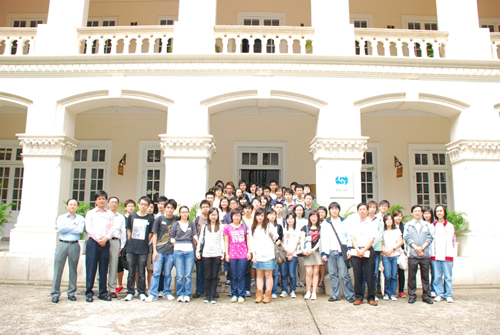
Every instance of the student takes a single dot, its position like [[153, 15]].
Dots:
[[279, 196], [392, 241], [363, 234], [265, 203], [429, 217], [259, 191], [300, 222], [181, 236], [267, 193], [256, 204], [210, 197], [242, 184], [398, 220], [247, 218], [242, 199], [161, 205], [262, 239], [199, 221], [139, 234], [229, 189], [212, 253], [307, 188], [116, 244], [377, 246], [219, 183], [238, 193], [69, 226], [312, 259], [99, 224], [289, 268], [299, 192], [248, 211], [233, 204], [289, 204], [223, 208], [237, 254], [271, 218], [442, 255], [149, 262], [273, 185], [163, 252], [293, 185], [323, 213], [130, 207], [218, 196], [331, 252], [253, 188], [280, 220], [308, 201], [418, 237]]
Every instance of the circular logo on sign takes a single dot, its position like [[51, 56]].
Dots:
[[341, 180]]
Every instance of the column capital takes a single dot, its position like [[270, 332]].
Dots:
[[47, 145], [477, 150], [338, 148], [187, 146]]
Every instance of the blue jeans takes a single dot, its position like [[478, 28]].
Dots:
[[289, 268], [238, 270], [443, 269], [200, 278], [276, 273], [164, 263], [336, 267], [184, 261], [391, 275]]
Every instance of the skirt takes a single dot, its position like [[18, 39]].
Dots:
[[269, 265], [313, 259]]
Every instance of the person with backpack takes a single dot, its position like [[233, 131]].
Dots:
[[334, 234], [237, 254]]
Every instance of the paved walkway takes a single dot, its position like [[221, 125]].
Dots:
[[26, 308]]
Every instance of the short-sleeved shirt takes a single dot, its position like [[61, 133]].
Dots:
[[162, 227], [237, 241], [140, 227]]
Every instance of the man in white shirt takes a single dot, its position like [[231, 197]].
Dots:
[[116, 244]]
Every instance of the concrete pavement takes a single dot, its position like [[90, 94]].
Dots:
[[26, 308]]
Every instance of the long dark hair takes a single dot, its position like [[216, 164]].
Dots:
[[428, 209], [387, 216], [217, 222], [313, 213], [258, 212], [292, 214], [269, 211]]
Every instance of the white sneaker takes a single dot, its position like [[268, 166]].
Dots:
[[292, 294], [213, 301], [386, 297], [274, 296], [433, 294], [151, 299], [376, 299], [206, 301], [143, 297], [313, 296], [437, 299], [449, 299], [187, 298], [129, 297], [307, 295], [160, 294], [169, 297], [283, 294], [394, 298], [180, 298]]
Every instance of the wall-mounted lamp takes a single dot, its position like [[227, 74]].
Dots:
[[121, 165], [399, 167], [133, 23], [390, 27]]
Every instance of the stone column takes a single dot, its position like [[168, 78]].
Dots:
[[59, 37], [338, 169], [194, 31], [466, 39], [333, 33], [187, 160]]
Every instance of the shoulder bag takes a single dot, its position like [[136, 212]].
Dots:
[[343, 248]]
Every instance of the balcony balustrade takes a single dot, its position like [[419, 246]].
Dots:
[[17, 41], [495, 45]]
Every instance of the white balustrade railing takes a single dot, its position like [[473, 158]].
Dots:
[[17, 41], [126, 40], [263, 39], [495, 45], [400, 43]]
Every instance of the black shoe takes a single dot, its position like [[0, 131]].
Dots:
[[351, 300], [89, 299], [105, 297], [196, 295], [411, 300], [55, 300], [332, 299], [216, 295], [72, 298], [428, 301]]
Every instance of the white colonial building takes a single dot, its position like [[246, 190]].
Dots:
[[192, 91]]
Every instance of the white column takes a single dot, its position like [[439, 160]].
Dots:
[[338, 169], [333, 33], [194, 32], [59, 37], [466, 40], [476, 181], [187, 160]]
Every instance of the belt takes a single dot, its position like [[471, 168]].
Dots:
[[115, 238], [70, 242]]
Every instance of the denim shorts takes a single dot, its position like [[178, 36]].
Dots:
[[269, 265]]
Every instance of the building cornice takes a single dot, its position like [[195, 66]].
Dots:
[[187, 146], [338, 148], [228, 64], [473, 150], [47, 145]]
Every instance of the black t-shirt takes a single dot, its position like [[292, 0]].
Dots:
[[140, 227], [162, 227]]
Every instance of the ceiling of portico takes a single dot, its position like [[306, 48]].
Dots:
[[11, 108], [117, 106], [263, 106]]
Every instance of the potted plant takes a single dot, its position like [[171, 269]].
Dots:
[[5, 213]]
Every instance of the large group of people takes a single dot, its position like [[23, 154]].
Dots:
[[238, 230]]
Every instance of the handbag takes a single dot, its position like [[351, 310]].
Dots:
[[123, 257], [403, 261], [343, 249], [307, 244], [202, 242], [279, 254]]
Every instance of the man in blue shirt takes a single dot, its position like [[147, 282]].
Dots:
[[70, 226]]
